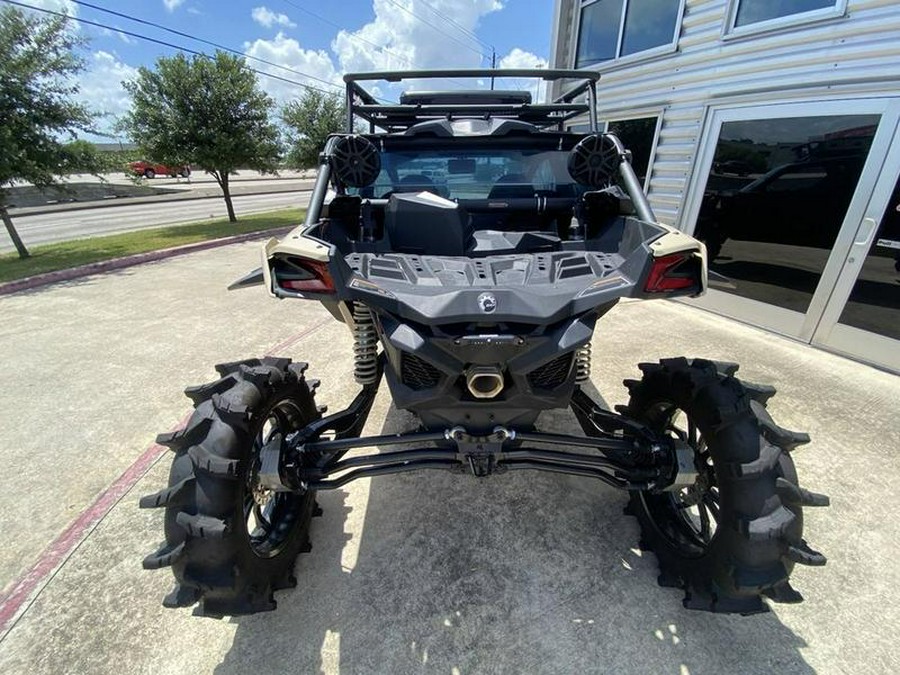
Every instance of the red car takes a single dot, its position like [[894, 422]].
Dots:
[[151, 170]]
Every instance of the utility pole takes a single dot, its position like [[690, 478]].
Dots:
[[493, 65]]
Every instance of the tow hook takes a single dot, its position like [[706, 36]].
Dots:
[[480, 452]]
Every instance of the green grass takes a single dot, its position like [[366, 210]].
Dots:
[[52, 257]]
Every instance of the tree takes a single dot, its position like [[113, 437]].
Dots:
[[205, 111], [84, 157], [309, 121], [37, 69]]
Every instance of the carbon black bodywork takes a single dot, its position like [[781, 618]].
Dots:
[[433, 324]]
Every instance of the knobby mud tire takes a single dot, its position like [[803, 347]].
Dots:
[[215, 561], [759, 533]]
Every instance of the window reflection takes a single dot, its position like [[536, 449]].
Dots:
[[647, 24], [598, 37], [754, 11], [874, 303], [776, 198], [636, 135]]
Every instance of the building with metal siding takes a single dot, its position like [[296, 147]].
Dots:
[[830, 65]]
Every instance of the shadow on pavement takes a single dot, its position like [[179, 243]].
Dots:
[[520, 572]]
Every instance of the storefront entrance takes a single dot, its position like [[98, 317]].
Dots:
[[798, 205]]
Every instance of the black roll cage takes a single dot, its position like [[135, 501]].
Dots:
[[399, 117]]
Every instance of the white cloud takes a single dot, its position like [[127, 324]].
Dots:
[[172, 5], [100, 87], [288, 53], [65, 6], [393, 40], [406, 42], [127, 39], [267, 18], [520, 59]]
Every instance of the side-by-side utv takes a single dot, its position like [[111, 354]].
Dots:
[[470, 242]]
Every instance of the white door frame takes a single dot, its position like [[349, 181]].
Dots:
[[779, 319], [847, 339]]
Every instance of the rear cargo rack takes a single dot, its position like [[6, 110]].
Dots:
[[399, 117]]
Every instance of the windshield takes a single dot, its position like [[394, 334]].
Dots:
[[473, 174]]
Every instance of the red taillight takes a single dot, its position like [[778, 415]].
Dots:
[[310, 276], [664, 275]]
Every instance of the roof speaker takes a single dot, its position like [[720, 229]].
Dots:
[[355, 161], [594, 160]]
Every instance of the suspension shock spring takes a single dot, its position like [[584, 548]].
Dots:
[[365, 345], [583, 363]]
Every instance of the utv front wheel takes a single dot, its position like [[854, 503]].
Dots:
[[735, 534], [230, 542]]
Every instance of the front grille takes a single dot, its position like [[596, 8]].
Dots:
[[551, 374], [417, 373]]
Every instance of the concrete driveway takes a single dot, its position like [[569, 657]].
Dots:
[[410, 573]]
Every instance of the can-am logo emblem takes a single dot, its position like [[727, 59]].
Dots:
[[487, 302]]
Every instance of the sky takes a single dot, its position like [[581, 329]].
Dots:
[[320, 39]]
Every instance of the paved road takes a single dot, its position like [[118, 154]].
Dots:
[[414, 573], [200, 177], [199, 180], [66, 225]]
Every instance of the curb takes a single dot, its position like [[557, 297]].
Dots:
[[103, 266], [183, 196]]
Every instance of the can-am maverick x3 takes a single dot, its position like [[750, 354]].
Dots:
[[477, 241]]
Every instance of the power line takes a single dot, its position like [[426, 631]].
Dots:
[[493, 55], [159, 42], [353, 36], [460, 27], [231, 50], [383, 48], [189, 37], [438, 29], [194, 52]]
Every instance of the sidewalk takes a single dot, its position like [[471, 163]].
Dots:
[[412, 573]]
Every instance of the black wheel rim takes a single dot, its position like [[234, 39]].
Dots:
[[271, 518], [689, 518]]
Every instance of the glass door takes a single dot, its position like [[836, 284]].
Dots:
[[862, 316], [782, 191]]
